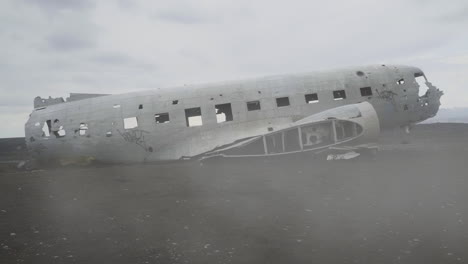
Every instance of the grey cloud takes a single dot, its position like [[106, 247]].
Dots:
[[188, 15], [127, 4], [112, 58], [461, 15], [440, 11], [56, 5], [181, 17], [17, 99], [191, 12], [119, 59], [69, 42]]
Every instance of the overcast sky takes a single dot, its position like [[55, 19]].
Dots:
[[54, 47]]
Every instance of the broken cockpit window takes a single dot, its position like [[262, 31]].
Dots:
[[421, 81], [193, 117], [339, 95], [223, 113], [161, 118]]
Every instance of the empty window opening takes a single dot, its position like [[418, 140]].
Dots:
[[46, 128], [174, 102], [311, 98], [140, 106], [401, 81], [291, 140], [130, 122], [345, 130], [282, 101], [193, 117], [253, 105], [57, 129], [161, 118], [315, 135], [255, 147], [366, 91], [116, 106], [223, 113], [405, 107], [422, 82], [83, 129], [274, 143], [339, 95]]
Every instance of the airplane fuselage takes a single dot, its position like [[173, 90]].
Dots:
[[172, 123]]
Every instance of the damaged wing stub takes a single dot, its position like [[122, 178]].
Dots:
[[347, 125]]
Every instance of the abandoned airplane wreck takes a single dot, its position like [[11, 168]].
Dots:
[[275, 115]]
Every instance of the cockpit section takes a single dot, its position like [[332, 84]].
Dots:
[[407, 98], [421, 80], [428, 100]]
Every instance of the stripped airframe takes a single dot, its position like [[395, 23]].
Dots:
[[276, 115]]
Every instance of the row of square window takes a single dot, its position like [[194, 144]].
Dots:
[[224, 111]]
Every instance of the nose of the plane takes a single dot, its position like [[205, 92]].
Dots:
[[429, 103]]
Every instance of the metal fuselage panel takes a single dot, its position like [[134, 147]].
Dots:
[[106, 138]]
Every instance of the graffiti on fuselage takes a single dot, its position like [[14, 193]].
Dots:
[[137, 137], [386, 95]]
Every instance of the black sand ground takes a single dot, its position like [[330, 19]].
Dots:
[[410, 205]]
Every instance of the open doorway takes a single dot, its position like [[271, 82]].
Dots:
[[46, 128]]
